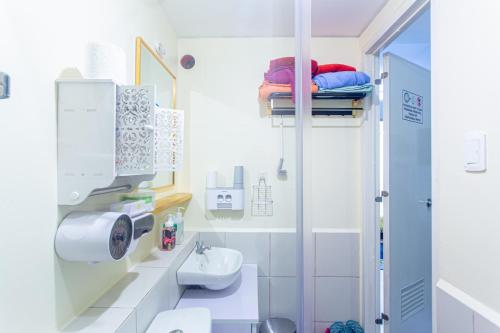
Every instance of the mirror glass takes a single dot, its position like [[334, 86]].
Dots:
[[152, 70]]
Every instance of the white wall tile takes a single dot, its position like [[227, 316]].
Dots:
[[263, 298], [482, 325], [129, 325], [254, 246], [337, 298], [337, 254], [131, 289], [283, 254], [283, 297], [153, 303], [452, 315], [320, 327], [95, 320], [217, 239]]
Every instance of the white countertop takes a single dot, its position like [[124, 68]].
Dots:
[[237, 304], [165, 259], [115, 311], [99, 320]]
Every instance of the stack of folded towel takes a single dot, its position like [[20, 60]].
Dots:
[[280, 77], [350, 326]]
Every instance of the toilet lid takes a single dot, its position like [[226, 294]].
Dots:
[[189, 320]]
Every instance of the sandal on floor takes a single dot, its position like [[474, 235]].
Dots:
[[354, 327]]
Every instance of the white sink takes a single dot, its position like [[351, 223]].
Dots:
[[217, 268]]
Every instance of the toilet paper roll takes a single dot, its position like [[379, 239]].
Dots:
[[105, 61], [212, 179]]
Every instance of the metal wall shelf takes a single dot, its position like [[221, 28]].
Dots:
[[324, 104]]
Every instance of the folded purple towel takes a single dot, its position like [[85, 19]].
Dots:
[[280, 76], [341, 79]]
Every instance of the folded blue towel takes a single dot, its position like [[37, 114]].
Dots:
[[338, 327], [366, 88], [354, 327], [341, 79]]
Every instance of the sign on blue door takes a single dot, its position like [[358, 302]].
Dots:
[[413, 107]]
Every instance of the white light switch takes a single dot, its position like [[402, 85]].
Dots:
[[475, 152]]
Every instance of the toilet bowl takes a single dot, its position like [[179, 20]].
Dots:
[[189, 320]]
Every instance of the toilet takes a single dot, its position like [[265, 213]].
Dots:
[[189, 320]]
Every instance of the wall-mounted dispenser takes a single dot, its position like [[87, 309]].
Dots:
[[226, 198], [94, 236], [100, 236], [105, 138], [143, 224]]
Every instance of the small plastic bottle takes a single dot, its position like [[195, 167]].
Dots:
[[168, 235], [179, 221]]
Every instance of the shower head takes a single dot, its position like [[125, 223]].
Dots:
[[282, 172]]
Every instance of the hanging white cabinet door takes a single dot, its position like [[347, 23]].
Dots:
[[135, 121]]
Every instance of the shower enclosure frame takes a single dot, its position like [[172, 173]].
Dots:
[[303, 129]]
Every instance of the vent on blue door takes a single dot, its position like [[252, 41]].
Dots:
[[412, 299]]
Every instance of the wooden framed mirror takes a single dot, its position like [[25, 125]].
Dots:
[[150, 69]]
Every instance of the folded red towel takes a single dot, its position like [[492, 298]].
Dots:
[[328, 68], [327, 330]]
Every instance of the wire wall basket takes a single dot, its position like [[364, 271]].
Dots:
[[262, 202]]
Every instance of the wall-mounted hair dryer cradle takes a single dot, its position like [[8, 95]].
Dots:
[[105, 138], [226, 198]]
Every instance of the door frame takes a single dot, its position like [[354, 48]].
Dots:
[[384, 34]]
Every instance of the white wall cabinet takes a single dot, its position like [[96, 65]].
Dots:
[[105, 138]]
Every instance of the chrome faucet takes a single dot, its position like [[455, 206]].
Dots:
[[201, 248]]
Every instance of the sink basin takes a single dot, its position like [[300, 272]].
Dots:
[[215, 269]]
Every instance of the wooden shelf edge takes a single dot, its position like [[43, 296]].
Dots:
[[170, 201]]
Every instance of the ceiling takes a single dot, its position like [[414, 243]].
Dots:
[[267, 18]]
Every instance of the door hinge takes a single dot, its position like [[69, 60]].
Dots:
[[384, 75], [383, 317], [383, 194]]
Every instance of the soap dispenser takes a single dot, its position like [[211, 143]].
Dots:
[[179, 221], [168, 235]]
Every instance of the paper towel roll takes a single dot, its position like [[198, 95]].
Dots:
[[105, 61], [212, 179]]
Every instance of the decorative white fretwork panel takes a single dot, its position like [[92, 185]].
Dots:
[[169, 139], [135, 144]]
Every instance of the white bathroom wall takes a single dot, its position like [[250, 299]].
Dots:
[[226, 128], [39, 292], [464, 90]]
